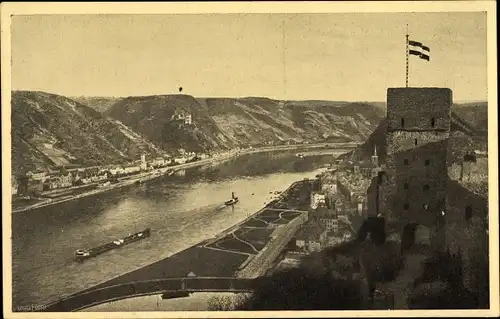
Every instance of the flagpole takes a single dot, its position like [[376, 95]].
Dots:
[[407, 36]]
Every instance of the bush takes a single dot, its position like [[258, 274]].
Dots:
[[299, 289], [220, 303], [382, 263], [440, 295]]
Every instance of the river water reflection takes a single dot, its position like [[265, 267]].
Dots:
[[181, 210]]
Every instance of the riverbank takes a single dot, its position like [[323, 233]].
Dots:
[[151, 175], [214, 257], [123, 182]]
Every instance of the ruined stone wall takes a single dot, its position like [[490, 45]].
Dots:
[[476, 172], [459, 199], [466, 232]]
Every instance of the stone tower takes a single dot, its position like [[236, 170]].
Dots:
[[418, 128]]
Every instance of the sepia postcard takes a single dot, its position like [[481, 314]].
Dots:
[[249, 159]]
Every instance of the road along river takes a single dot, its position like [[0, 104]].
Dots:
[[181, 210]]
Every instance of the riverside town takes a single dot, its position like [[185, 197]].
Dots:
[[250, 162]]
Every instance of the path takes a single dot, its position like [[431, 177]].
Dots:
[[401, 287], [245, 242]]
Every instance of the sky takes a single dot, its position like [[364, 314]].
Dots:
[[338, 56]]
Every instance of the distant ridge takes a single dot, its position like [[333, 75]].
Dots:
[[51, 130], [222, 123]]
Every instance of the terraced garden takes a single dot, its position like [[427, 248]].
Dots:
[[253, 235], [273, 216], [254, 223], [230, 243]]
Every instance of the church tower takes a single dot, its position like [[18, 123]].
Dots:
[[375, 156], [143, 162]]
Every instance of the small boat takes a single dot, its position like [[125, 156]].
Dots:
[[232, 201], [82, 254]]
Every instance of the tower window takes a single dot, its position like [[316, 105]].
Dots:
[[416, 143], [426, 188], [406, 206], [402, 123], [433, 122], [405, 185], [427, 162], [406, 161], [468, 212]]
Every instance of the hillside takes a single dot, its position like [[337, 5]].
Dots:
[[474, 114], [99, 103], [468, 133], [220, 123], [49, 130]]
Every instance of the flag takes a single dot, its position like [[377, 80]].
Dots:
[[418, 49]]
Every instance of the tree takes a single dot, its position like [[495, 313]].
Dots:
[[440, 295], [220, 303], [300, 289]]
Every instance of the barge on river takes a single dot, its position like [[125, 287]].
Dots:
[[82, 254]]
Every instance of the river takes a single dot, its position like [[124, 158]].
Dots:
[[181, 210]]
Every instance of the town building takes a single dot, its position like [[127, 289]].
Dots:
[[100, 176], [326, 217], [14, 185], [368, 169], [352, 184], [144, 165], [182, 118], [339, 236], [90, 175], [33, 187], [202, 156], [65, 179], [158, 162], [131, 169], [37, 175], [329, 183], [116, 170], [317, 199], [180, 160], [312, 236], [291, 260]]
